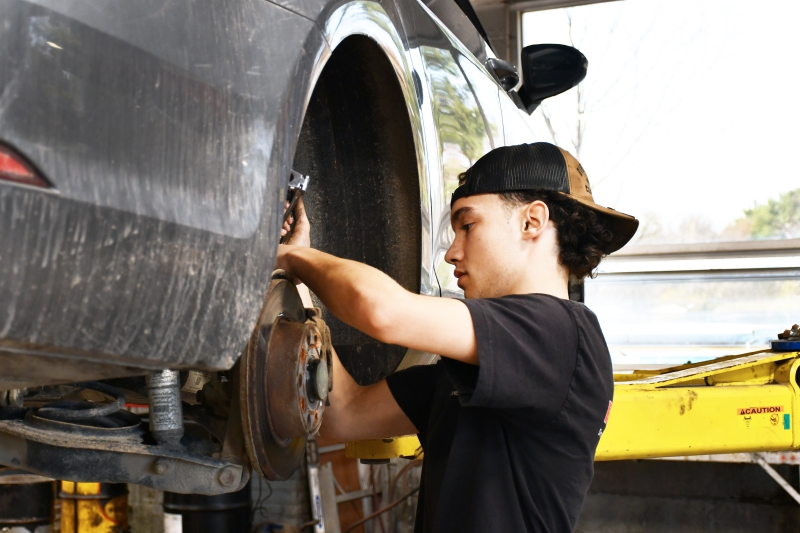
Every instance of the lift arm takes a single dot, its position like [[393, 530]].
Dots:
[[742, 403]]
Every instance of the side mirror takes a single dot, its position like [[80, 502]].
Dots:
[[548, 70]]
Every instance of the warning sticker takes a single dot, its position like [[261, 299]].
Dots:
[[196, 380], [759, 410]]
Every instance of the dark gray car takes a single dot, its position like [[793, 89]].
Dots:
[[145, 149]]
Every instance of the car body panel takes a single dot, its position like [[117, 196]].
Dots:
[[168, 129], [193, 120], [156, 247], [465, 105]]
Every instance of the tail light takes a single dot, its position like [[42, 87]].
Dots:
[[14, 168]]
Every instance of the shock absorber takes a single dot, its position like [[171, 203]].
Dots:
[[166, 412]]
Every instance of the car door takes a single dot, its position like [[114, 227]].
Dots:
[[464, 106], [516, 122]]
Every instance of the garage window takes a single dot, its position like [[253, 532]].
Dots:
[[688, 120]]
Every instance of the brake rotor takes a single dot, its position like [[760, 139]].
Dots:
[[285, 381]]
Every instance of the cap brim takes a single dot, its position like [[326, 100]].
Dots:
[[622, 226]]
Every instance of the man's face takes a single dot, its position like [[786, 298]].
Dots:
[[488, 249]]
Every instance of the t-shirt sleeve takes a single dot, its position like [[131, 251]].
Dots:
[[413, 390], [527, 354]]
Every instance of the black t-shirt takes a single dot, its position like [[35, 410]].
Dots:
[[509, 445]]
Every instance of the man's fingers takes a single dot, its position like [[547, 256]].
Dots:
[[300, 209], [300, 213], [302, 227], [287, 225]]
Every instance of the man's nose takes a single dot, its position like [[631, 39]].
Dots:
[[453, 254]]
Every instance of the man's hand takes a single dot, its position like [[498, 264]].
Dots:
[[354, 412], [301, 236]]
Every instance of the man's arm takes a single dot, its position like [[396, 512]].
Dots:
[[374, 303], [358, 413], [355, 412]]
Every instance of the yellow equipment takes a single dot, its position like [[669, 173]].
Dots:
[[407, 447], [94, 507], [741, 403]]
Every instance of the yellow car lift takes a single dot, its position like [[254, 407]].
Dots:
[[740, 403]]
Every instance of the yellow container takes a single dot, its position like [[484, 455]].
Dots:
[[94, 507]]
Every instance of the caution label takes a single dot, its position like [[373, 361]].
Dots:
[[759, 410]]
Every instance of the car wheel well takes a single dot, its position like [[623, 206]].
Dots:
[[357, 144]]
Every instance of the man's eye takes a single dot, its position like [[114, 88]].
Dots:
[[466, 227]]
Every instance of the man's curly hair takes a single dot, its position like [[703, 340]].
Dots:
[[583, 235]]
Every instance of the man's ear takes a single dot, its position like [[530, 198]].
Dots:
[[534, 219]]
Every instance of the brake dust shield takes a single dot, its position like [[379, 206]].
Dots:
[[285, 377]]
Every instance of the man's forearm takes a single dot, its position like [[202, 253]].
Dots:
[[374, 303], [357, 412], [338, 415], [355, 293]]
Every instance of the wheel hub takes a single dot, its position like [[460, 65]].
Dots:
[[285, 381]]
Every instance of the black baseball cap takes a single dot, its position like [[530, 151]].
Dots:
[[542, 166]]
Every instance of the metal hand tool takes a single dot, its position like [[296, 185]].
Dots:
[[298, 184]]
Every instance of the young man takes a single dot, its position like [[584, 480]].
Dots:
[[510, 417]]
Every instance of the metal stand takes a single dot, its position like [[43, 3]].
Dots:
[[312, 463], [777, 477]]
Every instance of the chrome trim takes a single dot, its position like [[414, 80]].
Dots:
[[371, 20]]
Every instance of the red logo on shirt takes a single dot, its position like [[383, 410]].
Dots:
[[608, 413]]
